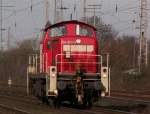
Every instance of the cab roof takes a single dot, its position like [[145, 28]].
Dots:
[[69, 22]]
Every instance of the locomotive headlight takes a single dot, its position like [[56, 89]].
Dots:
[[104, 73], [53, 75], [56, 92]]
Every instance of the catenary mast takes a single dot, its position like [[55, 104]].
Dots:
[[143, 51]]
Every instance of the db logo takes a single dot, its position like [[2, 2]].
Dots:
[[78, 41]]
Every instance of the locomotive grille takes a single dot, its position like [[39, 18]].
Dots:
[[78, 48]]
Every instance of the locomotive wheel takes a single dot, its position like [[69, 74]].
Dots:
[[45, 100], [88, 102], [56, 102], [84, 102], [72, 99], [73, 102], [88, 97]]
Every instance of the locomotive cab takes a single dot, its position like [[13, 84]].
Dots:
[[70, 68]]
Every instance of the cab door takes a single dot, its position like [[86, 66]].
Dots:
[[55, 48]]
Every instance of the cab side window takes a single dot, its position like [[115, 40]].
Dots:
[[58, 31], [84, 31], [48, 44]]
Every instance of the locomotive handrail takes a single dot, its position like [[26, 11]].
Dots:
[[80, 62], [56, 58], [33, 63]]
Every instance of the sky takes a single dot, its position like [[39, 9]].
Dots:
[[25, 23]]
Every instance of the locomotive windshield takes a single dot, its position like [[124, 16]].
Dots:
[[57, 31], [84, 31]]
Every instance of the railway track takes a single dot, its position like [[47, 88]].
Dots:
[[135, 101], [124, 107], [111, 111], [27, 100], [12, 94], [136, 95], [12, 110], [14, 88], [94, 110]]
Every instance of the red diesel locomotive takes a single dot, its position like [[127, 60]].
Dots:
[[68, 67]]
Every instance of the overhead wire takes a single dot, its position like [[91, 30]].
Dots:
[[120, 21], [26, 8], [23, 9], [119, 10], [104, 14], [123, 10], [38, 3]]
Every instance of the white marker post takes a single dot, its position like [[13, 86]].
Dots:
[[9, 82]]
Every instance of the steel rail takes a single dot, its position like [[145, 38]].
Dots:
[[98, 110], [14, 109], [136, 96], [122, 99]]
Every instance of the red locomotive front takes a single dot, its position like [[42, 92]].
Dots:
[[70, 46], [70, 68]]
